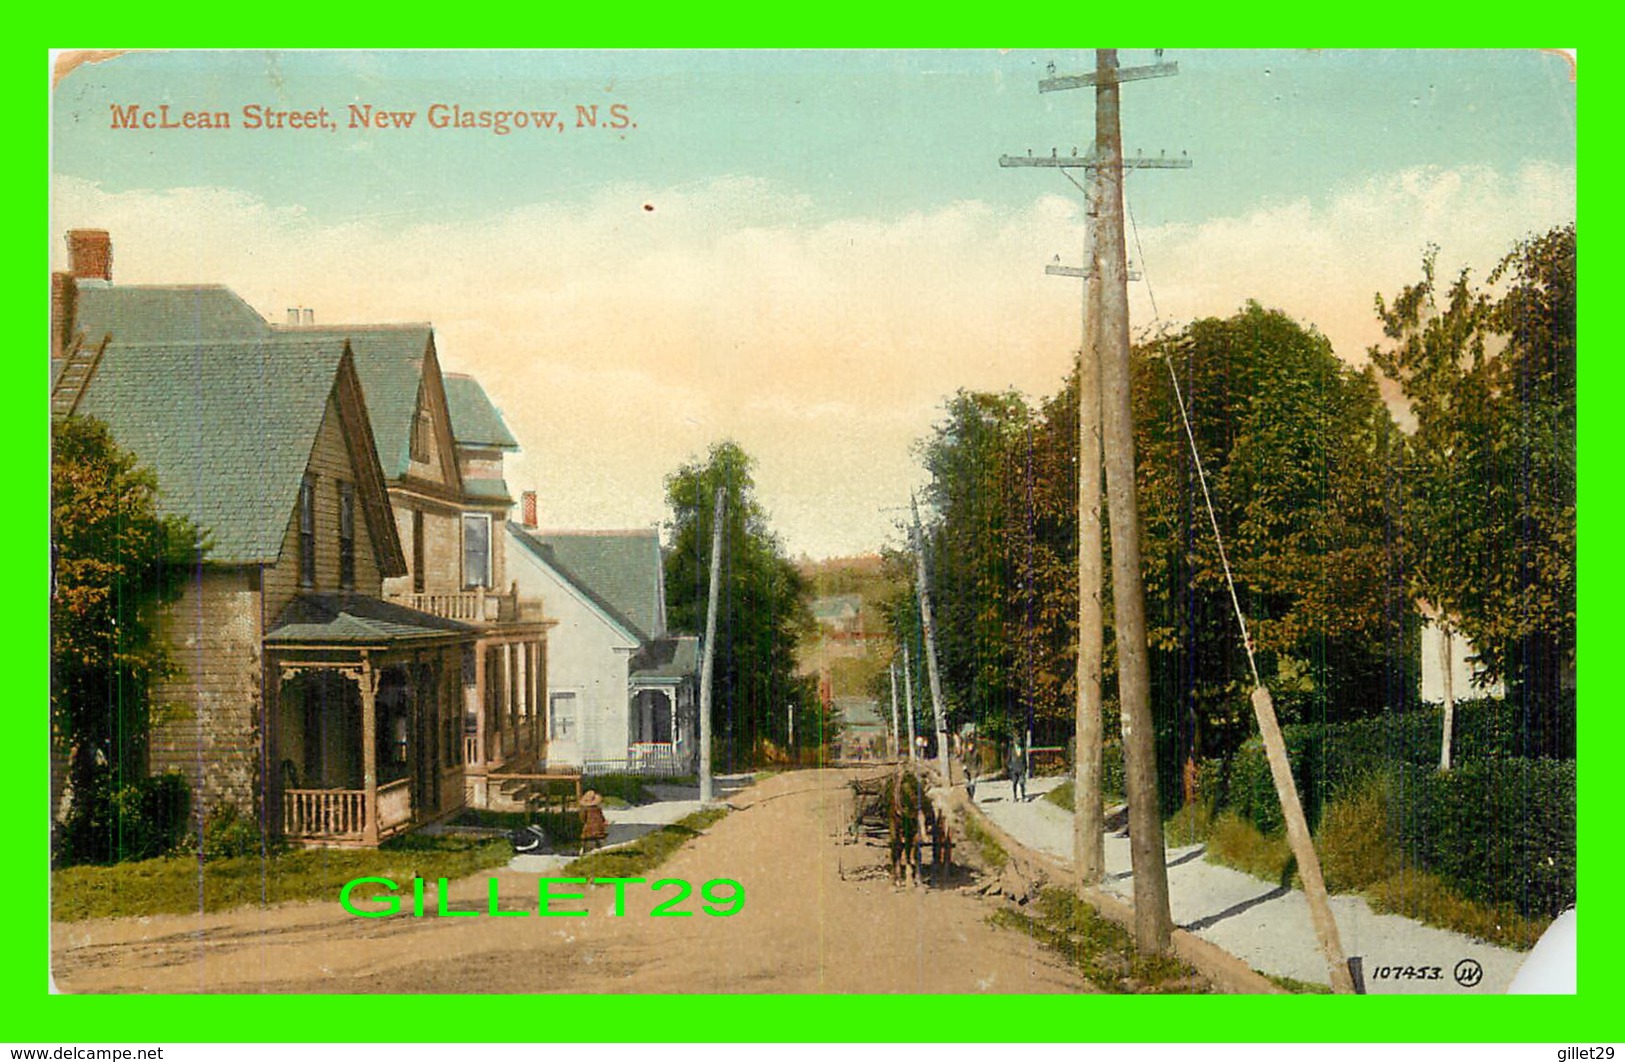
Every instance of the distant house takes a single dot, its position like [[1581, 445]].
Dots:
[[840, 614], [1465, 671], [621, 689], [350, 661]]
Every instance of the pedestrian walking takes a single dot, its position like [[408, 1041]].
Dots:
[[1018, 771], [970, 757]]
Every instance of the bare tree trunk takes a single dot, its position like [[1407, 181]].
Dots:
[[1153, 921], [1447, 676]]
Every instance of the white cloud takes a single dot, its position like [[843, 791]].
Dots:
[[621, 341]]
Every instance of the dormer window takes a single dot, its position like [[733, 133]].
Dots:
[[307, 531], [422, 435], [347, 536]]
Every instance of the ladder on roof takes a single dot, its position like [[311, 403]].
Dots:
[[77, 370]]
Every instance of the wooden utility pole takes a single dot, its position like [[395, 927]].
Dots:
[[1088, 814], [908, 697], [930, 645], [1088, 824], [1298, 839], [708, 664], [1153, 921], [891, 669]]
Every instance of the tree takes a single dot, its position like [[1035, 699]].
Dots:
[[763, 611], [114, 560], [1489, 505]]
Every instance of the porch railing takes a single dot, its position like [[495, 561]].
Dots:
[[394, 806], [324, 813], [341, 814], [471, 606]]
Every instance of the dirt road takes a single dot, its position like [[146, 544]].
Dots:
[[819, 916]]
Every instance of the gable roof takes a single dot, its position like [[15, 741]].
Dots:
[[163, 313], [475, 421], [676, 657], [619, 571], [227, 428], [391, 360]]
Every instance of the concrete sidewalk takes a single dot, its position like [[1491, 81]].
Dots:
[[1265, 925]]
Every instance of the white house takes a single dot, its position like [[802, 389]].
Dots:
[[1464, 672], [620, 687]]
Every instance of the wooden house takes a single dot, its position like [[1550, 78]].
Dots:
[[346, 654], [622, 689]]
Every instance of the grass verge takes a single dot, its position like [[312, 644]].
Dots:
[[1101, 949], [992, 852], [645, 853], [1061, 795], [1356, 857], [1295, 986], [179, 885]]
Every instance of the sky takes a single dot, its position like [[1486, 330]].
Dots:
[[805, 252]]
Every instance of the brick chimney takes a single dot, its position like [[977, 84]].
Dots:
[[90, 254], [527, 508], [64, 300]]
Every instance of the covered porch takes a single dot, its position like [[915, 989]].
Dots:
[[365, 719], [662, 716]]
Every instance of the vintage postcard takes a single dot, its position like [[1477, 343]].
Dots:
[[799, 522]]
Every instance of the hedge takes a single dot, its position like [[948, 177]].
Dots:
[[1500, 831], [1328, 761]]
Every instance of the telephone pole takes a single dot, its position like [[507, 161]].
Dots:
[[928, 630], [891, 669], [1088, 821], [908, 697], [708, 665]]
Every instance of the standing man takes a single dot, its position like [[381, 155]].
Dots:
[[1018, 771]]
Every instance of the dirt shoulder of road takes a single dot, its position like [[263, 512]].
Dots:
[[1224, 971]]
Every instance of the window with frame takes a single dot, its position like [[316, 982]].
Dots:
[[346, 536], [561, 715], [476, 550], [307, 531], [422, 435], [418, 552]]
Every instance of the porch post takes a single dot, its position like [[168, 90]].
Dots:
[[479, 702], [369, 747]]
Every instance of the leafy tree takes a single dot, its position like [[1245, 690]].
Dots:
[[1489, 505], [114, 560], [762, 613], [1295, 446], [981, 533]]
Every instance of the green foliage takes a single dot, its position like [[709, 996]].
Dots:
[[1489, 504], [762, 614], [137, 821], [628, 787], [994, 857], [227, 834], [1500, 832], [645, 853], [114, 560], [1101, 949], [562, 828], [178, 885], [1330, 761]]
